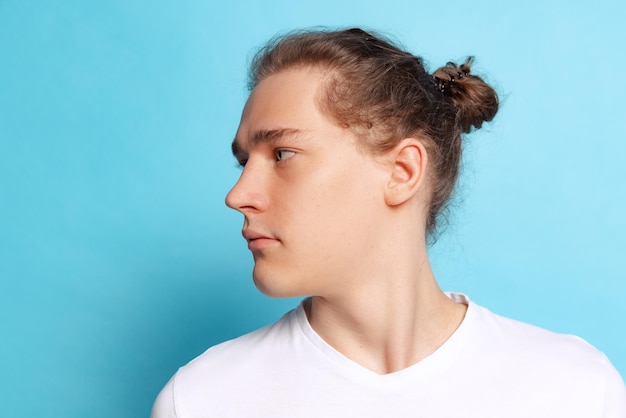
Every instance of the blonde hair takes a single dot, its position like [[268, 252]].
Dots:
[[386, 94]]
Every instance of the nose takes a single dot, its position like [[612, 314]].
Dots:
[[247, 194]]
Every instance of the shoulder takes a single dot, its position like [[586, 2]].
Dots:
[[526, 341], [248, 348], [228, 369], [239, 354], [564, 366]]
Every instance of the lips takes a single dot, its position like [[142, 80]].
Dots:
[[258, 240]]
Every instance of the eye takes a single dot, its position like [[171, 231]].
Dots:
[[242, 159], [284, 154]]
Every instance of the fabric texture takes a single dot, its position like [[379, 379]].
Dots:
[[490, 367]]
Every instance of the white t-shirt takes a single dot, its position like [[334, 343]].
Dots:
[[491, 367]]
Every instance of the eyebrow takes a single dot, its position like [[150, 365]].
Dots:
[[265, 136]]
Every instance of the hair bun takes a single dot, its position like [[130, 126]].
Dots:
[[476, 101]]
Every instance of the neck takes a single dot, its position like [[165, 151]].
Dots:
[[392, 319]]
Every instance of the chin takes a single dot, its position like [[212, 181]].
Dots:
[[277, 287]]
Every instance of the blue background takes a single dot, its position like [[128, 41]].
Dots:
[[119, 261]]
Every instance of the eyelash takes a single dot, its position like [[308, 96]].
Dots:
[[241, 162], [279, 151]]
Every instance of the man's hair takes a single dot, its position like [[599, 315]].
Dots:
[[385, 94]]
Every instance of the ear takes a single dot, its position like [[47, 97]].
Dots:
[[408, 161]]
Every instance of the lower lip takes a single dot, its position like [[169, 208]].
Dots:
[[260, 243]]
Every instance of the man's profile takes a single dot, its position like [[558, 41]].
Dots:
[[350, 152]]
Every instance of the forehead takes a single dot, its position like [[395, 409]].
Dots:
[[285, 100]]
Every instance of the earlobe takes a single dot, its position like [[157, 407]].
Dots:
[[408, 170]]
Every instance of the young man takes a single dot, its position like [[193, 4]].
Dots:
[[350, 150]]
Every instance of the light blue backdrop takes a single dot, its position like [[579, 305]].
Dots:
[[119, 261]]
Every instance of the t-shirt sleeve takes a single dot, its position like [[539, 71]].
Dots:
[[615, 395], [164, 406]]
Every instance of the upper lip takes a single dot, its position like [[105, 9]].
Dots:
[[250, 234]]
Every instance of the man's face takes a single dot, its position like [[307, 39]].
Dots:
[[309, 197]]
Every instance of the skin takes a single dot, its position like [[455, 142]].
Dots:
[[325, 219]]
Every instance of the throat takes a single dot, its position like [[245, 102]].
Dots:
[[386, 340]]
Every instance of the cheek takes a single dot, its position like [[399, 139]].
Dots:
[[339, 202]]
